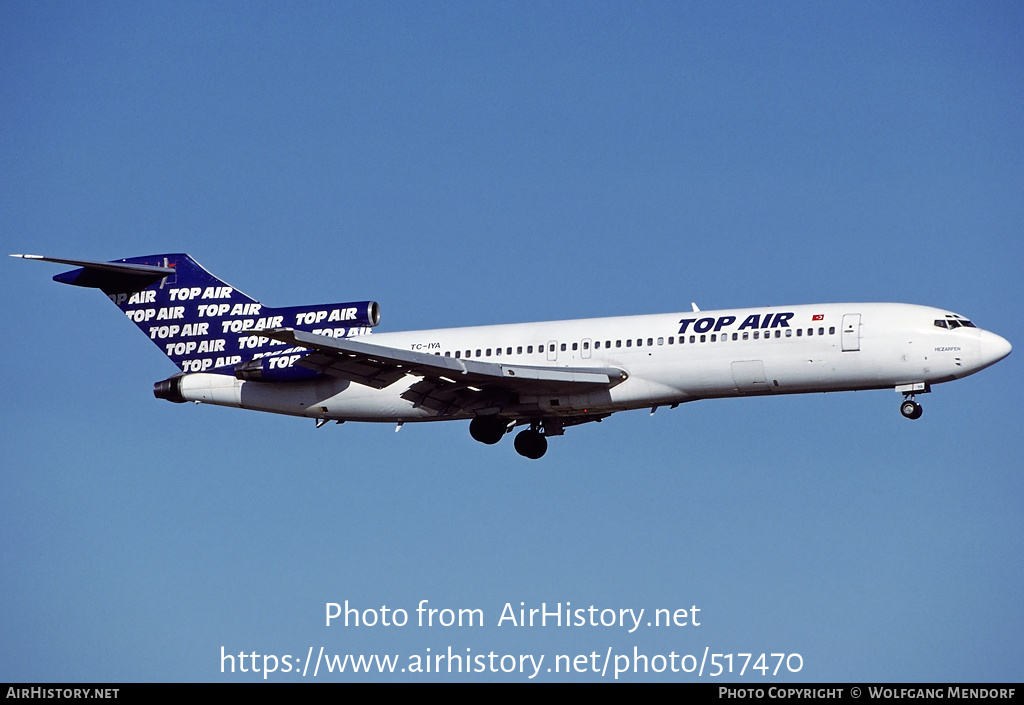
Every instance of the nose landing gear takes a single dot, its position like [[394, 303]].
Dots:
[[910, 408]]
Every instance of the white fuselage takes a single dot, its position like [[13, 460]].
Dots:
[[669, 359]]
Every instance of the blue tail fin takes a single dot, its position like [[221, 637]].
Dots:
[[197, 320]]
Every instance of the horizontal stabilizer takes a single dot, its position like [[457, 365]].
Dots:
[[108, 276]]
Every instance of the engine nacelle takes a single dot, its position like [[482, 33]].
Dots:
[[330, 317], [275, 368], [169, 389]]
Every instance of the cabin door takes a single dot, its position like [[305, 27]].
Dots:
[[851, 332]]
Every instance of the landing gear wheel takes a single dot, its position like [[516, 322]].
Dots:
[[530, 444], [487, 429], [911, 409]]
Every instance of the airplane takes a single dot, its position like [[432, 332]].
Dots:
[[323, 362]]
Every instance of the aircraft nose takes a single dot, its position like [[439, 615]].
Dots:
[[993, 348]]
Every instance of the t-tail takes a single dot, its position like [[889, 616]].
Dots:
[[205, 325]]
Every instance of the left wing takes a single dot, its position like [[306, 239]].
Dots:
[[447, 384]]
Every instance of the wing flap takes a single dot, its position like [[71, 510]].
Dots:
[[366, 372]]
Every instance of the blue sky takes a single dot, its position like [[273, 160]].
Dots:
[[473, 163]]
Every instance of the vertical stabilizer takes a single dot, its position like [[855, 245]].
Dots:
[[197, 320]]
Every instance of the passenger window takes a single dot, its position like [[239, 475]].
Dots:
[[832, 330], [563, 347], [639, 342], [575, 346], [703, 338], [519, 350], [671, 340], [789, 332], [714, 337], [650, 342], [756, 334], [746, 335], [618, 343], [586, 345], [551, 348], [693, 338], [661, 341], [799, 332], [629, 343]]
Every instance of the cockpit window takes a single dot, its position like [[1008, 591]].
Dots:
[[951, 322]]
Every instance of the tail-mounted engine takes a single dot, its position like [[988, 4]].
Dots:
[[280, 367]]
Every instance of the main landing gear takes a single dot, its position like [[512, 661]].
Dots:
[[530, 443], [910, 408], [488, 429]]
